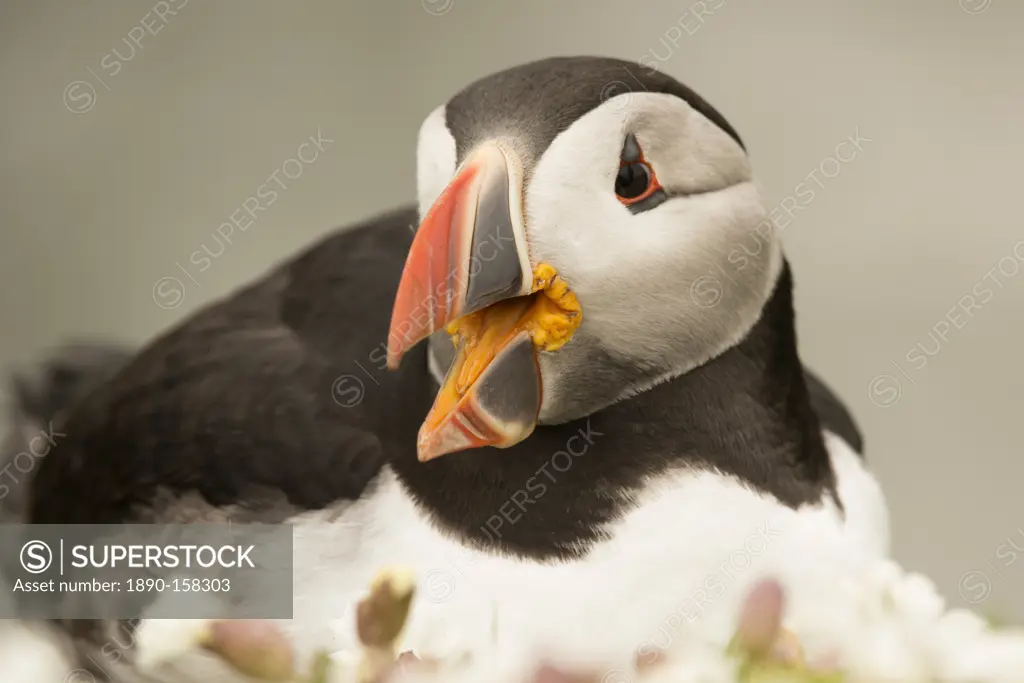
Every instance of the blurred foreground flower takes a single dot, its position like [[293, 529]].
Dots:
[[890, 627], [256, 649], [160, 641], [380, 619], [894, 626]]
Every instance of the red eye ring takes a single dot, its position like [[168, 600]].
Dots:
[[636, 179], [635, 182]]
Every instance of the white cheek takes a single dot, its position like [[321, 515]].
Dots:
[[636, 275], [640, 269], [575, 220], [571, 200], [435, 158]]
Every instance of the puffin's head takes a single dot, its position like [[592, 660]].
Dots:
[[582, 220]]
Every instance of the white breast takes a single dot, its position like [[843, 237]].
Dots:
[[683, 559]]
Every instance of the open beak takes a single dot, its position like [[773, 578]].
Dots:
[[469, 271]]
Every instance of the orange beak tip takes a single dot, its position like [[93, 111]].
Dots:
[[428, 452], [443, 439]]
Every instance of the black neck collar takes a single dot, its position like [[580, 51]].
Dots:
[[746, 413]]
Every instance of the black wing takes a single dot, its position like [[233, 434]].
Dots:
[[277, 394]]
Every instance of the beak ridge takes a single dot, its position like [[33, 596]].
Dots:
[[469, 252]]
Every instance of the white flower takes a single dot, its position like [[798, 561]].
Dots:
[[32, 655], [694, 662], [894, 626], [917, 599], [343, 629], [960, 624], [994, 658], [881, 653], [159, 641], [344, 666], [889, 626]]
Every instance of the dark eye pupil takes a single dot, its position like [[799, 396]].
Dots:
[[632, 180]]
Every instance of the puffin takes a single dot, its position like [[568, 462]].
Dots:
[[564, 390]]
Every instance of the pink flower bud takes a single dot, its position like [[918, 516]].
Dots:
[[257, 649], [760, 622]]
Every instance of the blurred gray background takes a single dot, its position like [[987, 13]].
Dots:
[[118, 166]]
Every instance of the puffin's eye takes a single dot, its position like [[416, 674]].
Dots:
[[636, 184], [633, 181]]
